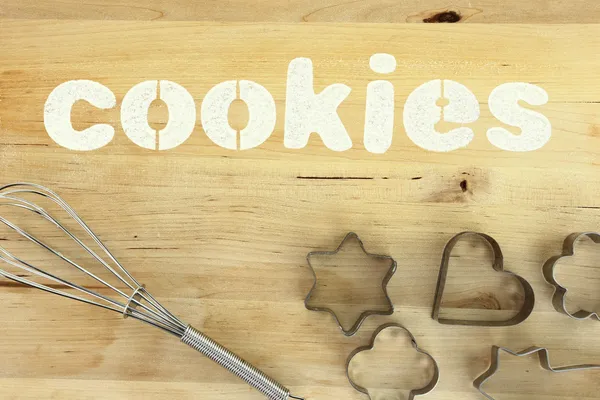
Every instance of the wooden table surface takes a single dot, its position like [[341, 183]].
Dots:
[[221, 235]]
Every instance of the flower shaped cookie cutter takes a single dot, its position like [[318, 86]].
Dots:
[[560, 292]]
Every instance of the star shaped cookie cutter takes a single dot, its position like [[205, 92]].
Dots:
[[415, 392], [543, 355], [560, 292], [365, 314]]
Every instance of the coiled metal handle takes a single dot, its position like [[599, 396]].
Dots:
[[237, 366]]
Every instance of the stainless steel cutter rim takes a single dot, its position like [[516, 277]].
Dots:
[[560, 292], [361, 319], [497, 265], [544, 358], [415, 392]]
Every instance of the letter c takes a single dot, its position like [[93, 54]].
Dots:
[[57, 115]]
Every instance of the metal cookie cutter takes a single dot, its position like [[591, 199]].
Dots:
[[364, 315], [560, 292], [415, 392], [498, 265], [543, 355]]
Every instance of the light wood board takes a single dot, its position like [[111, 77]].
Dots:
[[221, 236], [470, 11]]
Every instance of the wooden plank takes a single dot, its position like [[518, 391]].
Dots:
[[557, 177], [380, 11], [220, 236]]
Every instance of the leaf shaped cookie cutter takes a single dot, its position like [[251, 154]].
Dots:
[[498, 265]]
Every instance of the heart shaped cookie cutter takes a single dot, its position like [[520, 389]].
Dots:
[[415, 392], [560, 292], [498, 265]]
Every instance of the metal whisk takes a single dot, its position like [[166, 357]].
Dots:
[[132, 301]]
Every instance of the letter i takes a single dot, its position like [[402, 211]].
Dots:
[[379, 114]]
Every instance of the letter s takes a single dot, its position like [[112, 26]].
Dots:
[[535, 127]]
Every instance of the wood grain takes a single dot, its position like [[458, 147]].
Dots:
[[221, 236], [379, 11]]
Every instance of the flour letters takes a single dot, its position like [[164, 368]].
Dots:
[[306, 113]]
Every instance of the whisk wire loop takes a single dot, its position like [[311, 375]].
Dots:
[[139, 304], [131, 301]]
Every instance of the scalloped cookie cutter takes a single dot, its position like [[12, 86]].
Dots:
[[544, 363], [415, 392], [366, 314], [560, 292], [498, 265]]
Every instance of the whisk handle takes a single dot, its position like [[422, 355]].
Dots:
[[235, 364]]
